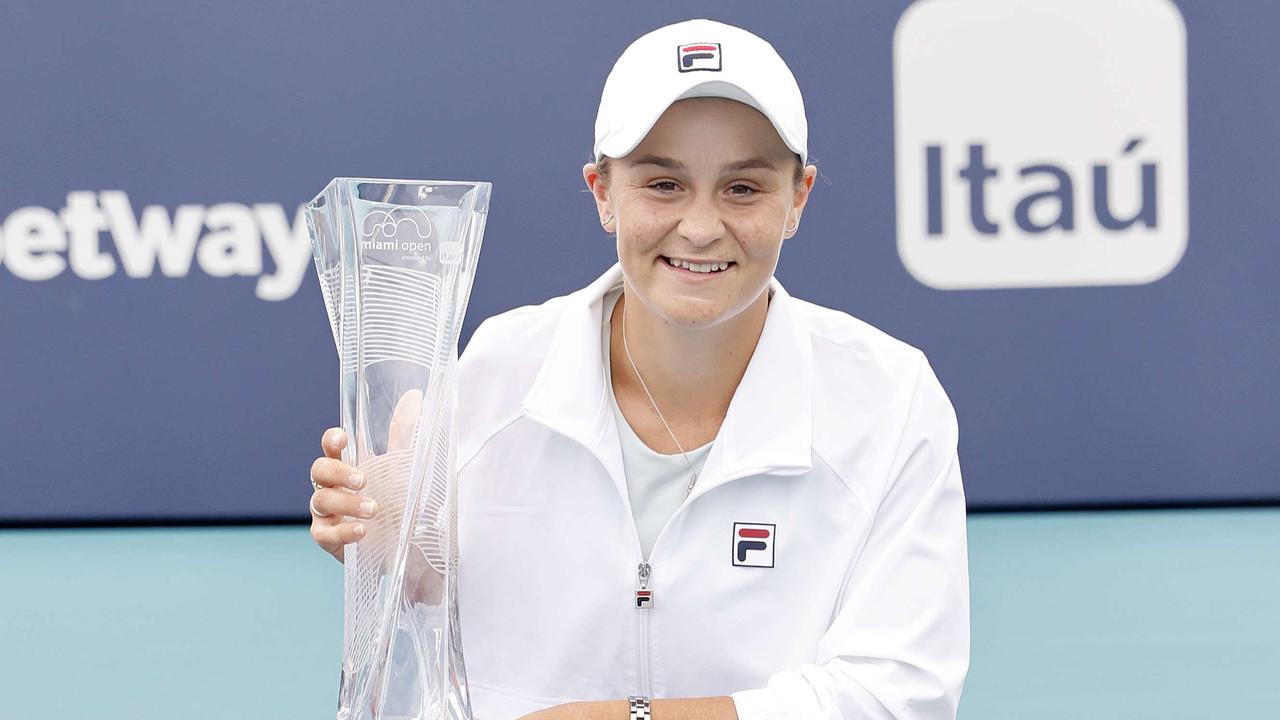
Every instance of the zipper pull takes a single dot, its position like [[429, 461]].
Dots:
[[644, 596]]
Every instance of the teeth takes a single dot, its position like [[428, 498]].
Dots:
[[698, 267]]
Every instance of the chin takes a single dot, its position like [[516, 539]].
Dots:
[[692, 315]]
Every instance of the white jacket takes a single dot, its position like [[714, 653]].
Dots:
[[818, 569]]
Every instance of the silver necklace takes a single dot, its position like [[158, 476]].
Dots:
[[694, 474]]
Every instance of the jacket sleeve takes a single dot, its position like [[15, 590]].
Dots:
[[898, 644]]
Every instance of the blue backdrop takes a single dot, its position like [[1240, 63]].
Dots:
[[164, 351]]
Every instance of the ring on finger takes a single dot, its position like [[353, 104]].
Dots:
[[316, 512], [315, 484]]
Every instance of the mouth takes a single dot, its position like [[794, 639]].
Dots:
[[696, 267]]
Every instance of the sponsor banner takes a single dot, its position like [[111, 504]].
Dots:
[[99, 234], [1068, 205], [1040, 144]]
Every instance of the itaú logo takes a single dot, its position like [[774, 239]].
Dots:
[[1040, 144], [98, 235], [1055, 199]]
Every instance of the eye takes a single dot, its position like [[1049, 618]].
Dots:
[[663, 186], [741, 190]]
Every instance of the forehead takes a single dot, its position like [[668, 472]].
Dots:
[[712, 130]]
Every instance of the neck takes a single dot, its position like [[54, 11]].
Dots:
[[692, 373]]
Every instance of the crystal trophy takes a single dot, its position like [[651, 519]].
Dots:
[[396, 260]]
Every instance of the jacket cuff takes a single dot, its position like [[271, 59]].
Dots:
[[757, 704]]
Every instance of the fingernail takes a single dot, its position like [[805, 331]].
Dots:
[[359, 531], [357, 481], [366, 508]]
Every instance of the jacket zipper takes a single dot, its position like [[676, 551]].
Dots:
[[644, 601], [644, 605]]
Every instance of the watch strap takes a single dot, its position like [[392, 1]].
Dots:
[[639, 707]]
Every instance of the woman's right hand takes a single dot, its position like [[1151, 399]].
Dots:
[[336, 497]]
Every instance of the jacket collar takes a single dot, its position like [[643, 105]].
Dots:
[[769, 425]]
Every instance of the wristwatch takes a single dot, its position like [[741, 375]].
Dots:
[[639, 707]]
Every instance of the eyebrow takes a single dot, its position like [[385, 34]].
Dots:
[[755, 163]]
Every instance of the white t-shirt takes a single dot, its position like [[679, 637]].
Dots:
[[656, 483]]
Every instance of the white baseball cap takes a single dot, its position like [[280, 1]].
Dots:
[[696, 58]]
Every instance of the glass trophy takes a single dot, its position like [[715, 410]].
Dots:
[[396, 260]]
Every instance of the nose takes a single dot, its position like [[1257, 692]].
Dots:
[[701, 224]]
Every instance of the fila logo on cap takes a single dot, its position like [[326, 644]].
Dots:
[[753, 544], [699, 56]]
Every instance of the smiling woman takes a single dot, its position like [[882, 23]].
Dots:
[[736, 503], [701, 208]]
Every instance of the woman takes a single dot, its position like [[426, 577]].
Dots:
[[681, 482]]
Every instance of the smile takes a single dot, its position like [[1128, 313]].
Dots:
[[707, 267]]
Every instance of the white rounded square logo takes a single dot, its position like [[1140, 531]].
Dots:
[[1040, 144]]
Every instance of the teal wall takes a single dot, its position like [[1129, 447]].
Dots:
[[1167, 614]]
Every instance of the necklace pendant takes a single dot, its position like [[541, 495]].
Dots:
[[692, 480]]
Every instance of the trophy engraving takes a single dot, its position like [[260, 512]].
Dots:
[[396, 260]]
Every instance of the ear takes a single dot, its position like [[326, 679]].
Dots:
[[600, 192], [799, 200]]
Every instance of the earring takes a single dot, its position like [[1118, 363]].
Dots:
[[606, 220], [795, 227]]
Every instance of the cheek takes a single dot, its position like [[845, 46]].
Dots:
[[640, 231], [760, 237]]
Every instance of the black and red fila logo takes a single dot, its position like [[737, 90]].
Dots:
[[698, 56], [753, 544]]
